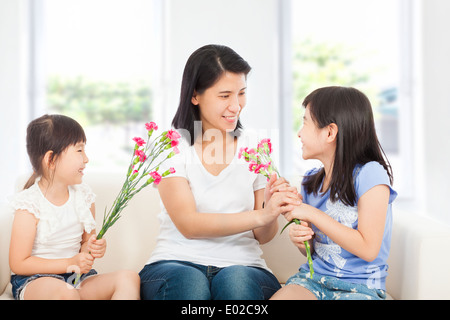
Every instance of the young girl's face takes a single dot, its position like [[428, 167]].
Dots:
[[70, 164], [313, 139], [221, 104]]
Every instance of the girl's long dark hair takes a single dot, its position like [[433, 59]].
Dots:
[[203, 69], [50, 133], [357, 142]]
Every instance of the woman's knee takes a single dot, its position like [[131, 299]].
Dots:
[[243, 283], [174, 281]]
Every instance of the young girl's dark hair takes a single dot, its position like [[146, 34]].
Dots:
[[356, 144], [50, 133], [203, 69]]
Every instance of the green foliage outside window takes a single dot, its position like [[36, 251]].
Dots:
[[319, 64], [100, 102]]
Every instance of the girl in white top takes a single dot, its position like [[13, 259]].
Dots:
[[53, 233], [213, 219]]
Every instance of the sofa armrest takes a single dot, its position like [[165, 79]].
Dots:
[[6, 219], [418, 263]]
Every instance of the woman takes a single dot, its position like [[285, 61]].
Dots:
[[213, 221]]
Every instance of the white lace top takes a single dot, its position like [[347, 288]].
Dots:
[[60, 228]]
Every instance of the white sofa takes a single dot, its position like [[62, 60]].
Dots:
[[418, 260]]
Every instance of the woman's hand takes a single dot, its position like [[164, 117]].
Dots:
[[96, 248], [277, 185], [279, 203]]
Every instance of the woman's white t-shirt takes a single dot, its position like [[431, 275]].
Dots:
[[232, 191]]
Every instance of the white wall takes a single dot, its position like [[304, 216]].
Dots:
[[13, 92], [194, 23], [435, 101]]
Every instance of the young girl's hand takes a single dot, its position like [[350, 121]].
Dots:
[[97, 248], [300, 233], [301, 213], [277, 185], [279, 203], [84, 261]]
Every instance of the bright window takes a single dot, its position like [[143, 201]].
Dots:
[[100, 68], [352, 43]]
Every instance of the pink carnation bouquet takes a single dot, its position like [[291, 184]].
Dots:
[[260, 162], [259, 159], [144, 166], [142, 171]]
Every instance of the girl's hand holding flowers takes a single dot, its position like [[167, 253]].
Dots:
[[299, 234], [83, 261], [301, 213], [279, 203], [96, 247], [296, 216]]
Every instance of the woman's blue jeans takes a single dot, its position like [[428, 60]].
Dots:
[[181, 280]]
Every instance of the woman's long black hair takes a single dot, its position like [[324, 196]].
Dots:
[[357, 142], [203, 69]]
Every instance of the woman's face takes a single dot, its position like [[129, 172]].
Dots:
[[221, 104]]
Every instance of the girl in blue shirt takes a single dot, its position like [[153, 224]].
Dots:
[[346, 212]]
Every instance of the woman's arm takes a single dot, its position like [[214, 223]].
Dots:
[[364, 242], [266, 233], [20, 259], [197, 225]]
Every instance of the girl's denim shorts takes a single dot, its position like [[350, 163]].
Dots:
[[19, 282], [331, 288]]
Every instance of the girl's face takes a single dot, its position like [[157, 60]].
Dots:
[[70, 164], [314, 140], [221, 104]]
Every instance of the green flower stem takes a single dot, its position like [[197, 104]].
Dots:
[[130, 186], [307, 247]]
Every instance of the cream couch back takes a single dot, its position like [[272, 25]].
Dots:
[[131, 240], [419, 245]]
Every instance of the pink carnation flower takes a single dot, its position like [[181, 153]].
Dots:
[[262, 145], [156, 177], [141, 155], [139, 141], [174, 143], [151, 126], [173, 135], [252, 166], [241, 151]]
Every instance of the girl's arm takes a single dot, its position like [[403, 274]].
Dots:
[[197, 225], [364, 242], [20, 259]]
